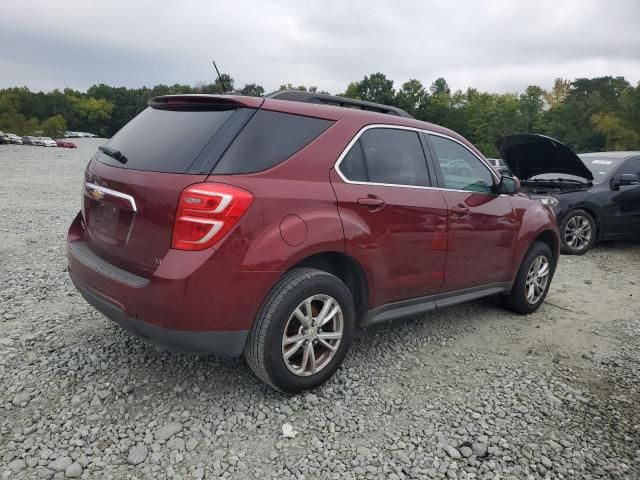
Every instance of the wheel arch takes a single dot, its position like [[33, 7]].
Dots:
[[591, 210], [347, 269], [547, 237]]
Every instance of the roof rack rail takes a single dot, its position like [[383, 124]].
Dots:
[[322, 98]]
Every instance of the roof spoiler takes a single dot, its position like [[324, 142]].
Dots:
[[322, 98], [204, 102]]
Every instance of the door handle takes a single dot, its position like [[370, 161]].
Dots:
[[460, 210], [371, 202]]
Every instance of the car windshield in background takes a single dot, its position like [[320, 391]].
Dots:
[[601, 167], [164, 140]]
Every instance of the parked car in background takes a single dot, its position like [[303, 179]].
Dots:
[[298, 222], [15, 139], [499, 165], [45, 142], [65, 144], [3, 138], [595, 196], [28, 140], [70, 134]]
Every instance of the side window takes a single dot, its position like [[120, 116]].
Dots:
[[461, 169], [352, 165], [395, 157], [631, 166], [268, 139]]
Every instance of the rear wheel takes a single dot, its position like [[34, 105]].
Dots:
[[533, 280], [578, 232], [302, 332]]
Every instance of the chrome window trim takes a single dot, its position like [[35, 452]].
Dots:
[[113, 193], [357, 136]]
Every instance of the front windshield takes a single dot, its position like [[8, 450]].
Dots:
[[601, 167]]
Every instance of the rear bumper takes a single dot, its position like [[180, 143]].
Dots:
[[194, 301], [182, 341]]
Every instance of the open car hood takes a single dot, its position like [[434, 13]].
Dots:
[[531, 154]]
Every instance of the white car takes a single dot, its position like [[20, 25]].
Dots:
[[15, 139], [45, 142]]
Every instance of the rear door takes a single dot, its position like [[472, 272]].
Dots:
[[133, 184], [394, 223], [482, 228]]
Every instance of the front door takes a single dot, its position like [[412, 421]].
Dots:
[[394, 224], [625, 202], [482, 224]]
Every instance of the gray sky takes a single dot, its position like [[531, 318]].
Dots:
[[502, 45]]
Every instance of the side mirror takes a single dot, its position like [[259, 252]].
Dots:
[[509, 184], [625, 179]]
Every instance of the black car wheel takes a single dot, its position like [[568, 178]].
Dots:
[[302, 331], [533, 280], [578, 232]]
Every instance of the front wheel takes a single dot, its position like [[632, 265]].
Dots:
[[302, 332], [578, 232], [533, 280]]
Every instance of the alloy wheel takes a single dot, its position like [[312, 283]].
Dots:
[[537, 279], [577, 232], [312, 335]]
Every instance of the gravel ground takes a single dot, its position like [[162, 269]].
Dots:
[[468, 392]]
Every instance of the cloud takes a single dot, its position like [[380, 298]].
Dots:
[[497, 46]]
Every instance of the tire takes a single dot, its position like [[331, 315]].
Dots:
[[518, 299], [266, 347], [575, 225]]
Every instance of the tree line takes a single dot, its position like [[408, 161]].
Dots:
[[588, 114]]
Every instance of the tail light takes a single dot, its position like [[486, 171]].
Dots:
[[206, 212]]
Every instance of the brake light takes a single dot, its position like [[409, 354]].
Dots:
[[206, 212]]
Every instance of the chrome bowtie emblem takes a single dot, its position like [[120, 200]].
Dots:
[[96, 194]]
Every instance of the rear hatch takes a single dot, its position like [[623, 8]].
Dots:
[[134, 181]]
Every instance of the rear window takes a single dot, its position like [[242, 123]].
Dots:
[[268, 139], [165, 140]]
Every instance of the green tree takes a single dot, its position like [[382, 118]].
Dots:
[[94, 114], [54, 127], [440, 87], [374, 88], [215, 87], [588, 114], [351, 91], [531, 108], [253, 90], [617, 135], [411, 96], [558, 93]]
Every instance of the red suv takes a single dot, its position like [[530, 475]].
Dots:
[[277, 226]]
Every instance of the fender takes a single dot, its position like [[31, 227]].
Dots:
[[534, 219], [567, 205], [288, 221]]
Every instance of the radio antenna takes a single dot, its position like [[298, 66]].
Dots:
[[224, 87]]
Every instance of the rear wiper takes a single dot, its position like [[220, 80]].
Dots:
[[113, 153]]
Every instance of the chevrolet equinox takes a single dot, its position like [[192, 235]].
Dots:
[[275, 227]]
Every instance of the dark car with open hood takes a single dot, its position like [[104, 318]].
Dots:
[[595, 196]]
